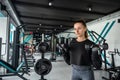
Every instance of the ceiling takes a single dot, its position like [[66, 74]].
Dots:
[[38, 16]]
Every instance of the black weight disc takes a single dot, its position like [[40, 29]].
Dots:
[[43, 47], [43, 66]]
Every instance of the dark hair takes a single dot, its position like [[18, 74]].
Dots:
[[84, 24]]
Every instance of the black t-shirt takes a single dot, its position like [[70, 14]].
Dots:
[[79, 55]]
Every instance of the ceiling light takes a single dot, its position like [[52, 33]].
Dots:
[[61, 25], [40, 24], [55, 29], [38, 28], [50, 3], [89, 7]]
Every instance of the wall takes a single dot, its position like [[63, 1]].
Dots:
[[3, 27], [109, 29]]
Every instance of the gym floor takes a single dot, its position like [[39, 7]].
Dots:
[[60, 71]]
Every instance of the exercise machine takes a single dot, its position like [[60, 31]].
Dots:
[[12, 69], [114, 71]]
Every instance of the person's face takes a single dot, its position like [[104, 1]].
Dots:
[[79, 29]]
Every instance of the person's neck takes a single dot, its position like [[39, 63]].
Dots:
[[80, 39]]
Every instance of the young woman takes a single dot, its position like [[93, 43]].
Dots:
[[80, 56]]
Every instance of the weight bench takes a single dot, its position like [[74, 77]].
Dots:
[[12, 69], [111, 72]]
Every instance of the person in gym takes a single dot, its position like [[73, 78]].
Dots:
[[80, 56], [32, 49]]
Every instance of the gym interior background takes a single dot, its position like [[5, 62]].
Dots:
[[24, 24]]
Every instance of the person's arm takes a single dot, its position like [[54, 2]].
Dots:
[[96, 58], [95, 55], [66, 54]]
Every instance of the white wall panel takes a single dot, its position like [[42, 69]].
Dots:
[[3, 27]]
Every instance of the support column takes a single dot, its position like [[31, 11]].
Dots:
[[16, 44], [53, 56]]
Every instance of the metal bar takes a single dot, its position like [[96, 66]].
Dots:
[[12, 10]]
